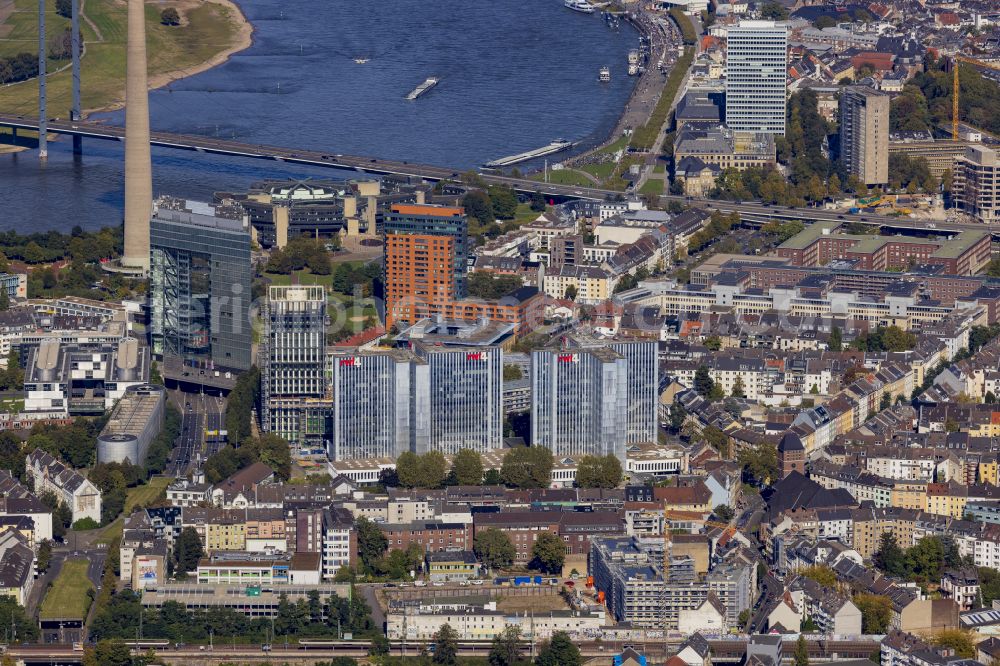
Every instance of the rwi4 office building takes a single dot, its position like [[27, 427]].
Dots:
[[426, 398], [594, 398]]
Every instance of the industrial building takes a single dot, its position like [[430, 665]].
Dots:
[[135, 422], [69, 380]]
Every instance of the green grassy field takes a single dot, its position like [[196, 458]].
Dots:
[[652, 186], [524, 214], [564, 177], [68, 596], [212, 28], [11, 406], [145, 495], [602, 170], [135, 497]]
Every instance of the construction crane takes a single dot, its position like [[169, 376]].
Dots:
[[957, 58]]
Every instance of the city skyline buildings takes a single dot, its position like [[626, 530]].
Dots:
[[426, 398], [424, 258], [594, 399]]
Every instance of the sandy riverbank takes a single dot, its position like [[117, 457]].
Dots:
[[242, 40]]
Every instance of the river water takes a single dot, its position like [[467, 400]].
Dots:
[[515, 74]]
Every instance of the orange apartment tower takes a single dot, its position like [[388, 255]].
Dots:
[[425, 252]]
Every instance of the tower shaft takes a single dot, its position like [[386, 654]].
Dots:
[[138, 168]]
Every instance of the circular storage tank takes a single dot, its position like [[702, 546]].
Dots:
[[117, 447]]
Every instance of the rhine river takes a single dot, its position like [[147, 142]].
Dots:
[[515, 74]]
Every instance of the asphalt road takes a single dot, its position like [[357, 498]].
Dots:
[[188, 443]]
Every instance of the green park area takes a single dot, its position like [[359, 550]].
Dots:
[[67, 598], [146, 494], [564, 177], [207, 30]]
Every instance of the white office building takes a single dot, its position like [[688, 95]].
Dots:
[[756, 77]]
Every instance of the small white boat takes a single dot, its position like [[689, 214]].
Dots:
[[423, 87], [579, 6], [361, 61], [605, 74]]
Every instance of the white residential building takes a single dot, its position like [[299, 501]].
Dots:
[[69, 486]]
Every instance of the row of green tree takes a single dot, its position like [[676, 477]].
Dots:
[[492, 203], [522, 467], [493, 547], [310, 617], [688, 35], [12, 376], [507, 649], [923, 562], [269, 449], [18, 68], [350, 278], [885, 339], [495, 550], [47, 246], [643, 138], [719, 226], [240, 405]]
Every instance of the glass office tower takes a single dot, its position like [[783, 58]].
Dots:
[[594, 399], [200, 281], [293, 365]]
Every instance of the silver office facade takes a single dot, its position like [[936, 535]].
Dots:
[[594, 400], [464, 399], [756, 77], [373, 404], [293, 364], [425, 399]]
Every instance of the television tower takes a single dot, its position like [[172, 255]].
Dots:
[[138, 167]]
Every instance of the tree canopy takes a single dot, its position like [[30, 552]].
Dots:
[[421, 471], [494, 548], [559, 651], [548, 553], [527, 467], [598, 471]]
